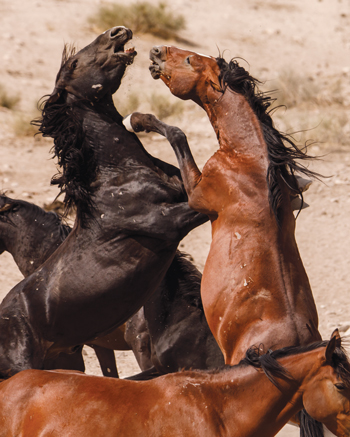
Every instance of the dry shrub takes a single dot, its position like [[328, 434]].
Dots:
[[128, 104], [325, 126], [6, 100], [164, 107], [22, 125], [293, 89], [141, 17]]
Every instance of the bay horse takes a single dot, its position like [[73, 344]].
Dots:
[[171, 324], [132, 211], [256, 397], [254, 286]]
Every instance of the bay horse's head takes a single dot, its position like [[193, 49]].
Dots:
[[204, 79], [97, 69], [187, 74], [328, 397]]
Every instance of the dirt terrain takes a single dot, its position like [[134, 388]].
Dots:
[[311, 39]]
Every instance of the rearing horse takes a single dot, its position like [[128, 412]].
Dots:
[[132, 211], [254, 287]]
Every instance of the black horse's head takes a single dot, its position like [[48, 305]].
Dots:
[[97, 69], [11, 217]]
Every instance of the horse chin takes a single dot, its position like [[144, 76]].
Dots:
[[155, 71], [126, 57]]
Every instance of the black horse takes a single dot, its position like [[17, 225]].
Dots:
[[132, 211], [169, 333], [179, 335]]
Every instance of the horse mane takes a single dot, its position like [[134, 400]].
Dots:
[[190, 286], [75, 156], [309, 427], [282, 151]]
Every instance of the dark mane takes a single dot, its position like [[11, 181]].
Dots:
[[190, 286], [75, 156], [282, 150], [268, 362]]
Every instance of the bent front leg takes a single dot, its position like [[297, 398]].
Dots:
[[170, 222], [149, 123]]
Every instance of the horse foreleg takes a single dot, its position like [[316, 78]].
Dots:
[[190, 173]]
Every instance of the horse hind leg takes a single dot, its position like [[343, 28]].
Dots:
[[106, 358]]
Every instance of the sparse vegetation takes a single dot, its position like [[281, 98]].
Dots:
[[163, 107], [293, 89], [315, 108], [6, 100], [127, 105], [141, 17], [22, 125]]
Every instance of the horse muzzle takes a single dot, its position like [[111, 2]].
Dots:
[[157, 56]]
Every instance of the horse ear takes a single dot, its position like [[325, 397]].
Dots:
[[56, 94], [216, 86], [334, 342], [6, 207]]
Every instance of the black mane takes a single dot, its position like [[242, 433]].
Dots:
[[268, 362], [282, 151], [75, 156], [309, 427], [189, 287]]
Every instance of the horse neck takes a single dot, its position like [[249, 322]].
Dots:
[[244, 388], [273, 407], [236, 125], [104, 130]]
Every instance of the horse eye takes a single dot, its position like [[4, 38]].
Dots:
[[15, 208], [74, 64], [340, 386], [187, 60]]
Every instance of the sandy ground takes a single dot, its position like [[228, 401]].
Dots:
[[309, 37]]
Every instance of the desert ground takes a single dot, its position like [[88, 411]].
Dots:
[[298, 48]]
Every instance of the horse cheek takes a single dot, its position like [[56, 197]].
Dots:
[[322, 402]]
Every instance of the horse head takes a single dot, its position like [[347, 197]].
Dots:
[[97, 69], [328, 397], [187, 74]]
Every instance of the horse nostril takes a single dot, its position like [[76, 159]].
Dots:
[[156, 50], [115, 31]]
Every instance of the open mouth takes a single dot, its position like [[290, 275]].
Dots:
[[156, 67], [125, 55], [122, 35]]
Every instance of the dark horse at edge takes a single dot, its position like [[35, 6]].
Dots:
[[168, 333]]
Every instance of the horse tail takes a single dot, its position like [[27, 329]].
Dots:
[[309, 427]]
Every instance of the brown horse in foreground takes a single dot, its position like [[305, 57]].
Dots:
[[256, 397], [254, 286]]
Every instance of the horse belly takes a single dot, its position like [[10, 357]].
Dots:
[[99, 291]]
